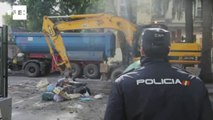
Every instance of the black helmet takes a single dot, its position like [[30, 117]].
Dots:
[[155, 42]]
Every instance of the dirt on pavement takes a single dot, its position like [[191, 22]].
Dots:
[[28, 105]]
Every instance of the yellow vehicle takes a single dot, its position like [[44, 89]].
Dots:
[[181, 53]]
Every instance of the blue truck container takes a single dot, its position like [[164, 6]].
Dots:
[[79, 46], [85, 50]]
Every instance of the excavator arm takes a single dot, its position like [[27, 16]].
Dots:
[[52, 30], [180, 53], [54, 37], [95, 21]]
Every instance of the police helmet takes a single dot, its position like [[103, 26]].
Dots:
[[155, 42]]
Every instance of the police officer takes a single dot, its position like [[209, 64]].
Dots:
[[157, 90]]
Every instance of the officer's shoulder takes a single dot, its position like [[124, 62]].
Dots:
[[133, 70], [129, 75], [179, 70], [187, 73]]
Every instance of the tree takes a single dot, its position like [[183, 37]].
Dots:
[[96, 6], [207, 11], [8, 1], [67, 7], [206, 74], [189, 20], [160, 7], [38, 8], [14, 24], [178, 8]]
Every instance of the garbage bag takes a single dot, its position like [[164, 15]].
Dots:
[[71, 89], [47, 96], [58, 98], [62, 82], [50, 88], [43, 83]]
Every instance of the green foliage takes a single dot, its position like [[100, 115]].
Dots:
[[97, 6], [67, 7], [14, 24], [8, 19], [36, 9], [8, 1]]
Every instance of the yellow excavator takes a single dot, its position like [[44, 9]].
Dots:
[[181, 53]]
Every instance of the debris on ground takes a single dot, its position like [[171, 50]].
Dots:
[[50, 87], [84, 99], [58, 98], [64, 89], [42, 84], [28, 103], [47, 96], [99, 96]]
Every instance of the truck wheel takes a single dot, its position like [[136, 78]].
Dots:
[[91, 71], [116, 73], [46, 70], [32, 70], [76, 70]]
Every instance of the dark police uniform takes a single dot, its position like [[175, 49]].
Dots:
[[158, 91]]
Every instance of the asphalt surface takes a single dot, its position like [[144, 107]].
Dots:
[[27, 103]]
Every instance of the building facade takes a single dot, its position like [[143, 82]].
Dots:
[[157, 10]]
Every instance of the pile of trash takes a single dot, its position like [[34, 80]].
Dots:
[[64, 89]]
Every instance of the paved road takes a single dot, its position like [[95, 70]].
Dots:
[[27, 104]]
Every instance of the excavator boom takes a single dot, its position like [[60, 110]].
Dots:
[[181, 53], [52, 29], [53, 36], [96, 21]]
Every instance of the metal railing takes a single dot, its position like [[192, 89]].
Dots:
[[3, 61]]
